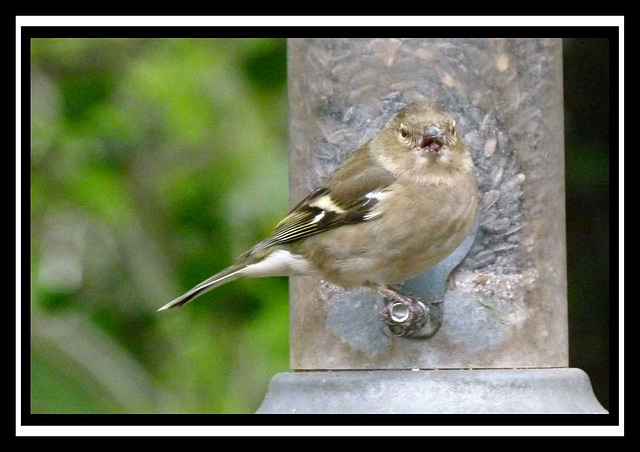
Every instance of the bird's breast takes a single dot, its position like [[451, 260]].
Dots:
[[419, 227]]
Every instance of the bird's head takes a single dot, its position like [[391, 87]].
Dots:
[[421, 143]]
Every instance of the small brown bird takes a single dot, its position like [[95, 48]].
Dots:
[[400, 204]]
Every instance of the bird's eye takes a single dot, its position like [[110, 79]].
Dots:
[[404, 132]]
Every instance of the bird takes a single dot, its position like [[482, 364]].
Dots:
[[399, 204]]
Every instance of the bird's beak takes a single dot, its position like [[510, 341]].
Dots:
[[432, 139], [433, 132]]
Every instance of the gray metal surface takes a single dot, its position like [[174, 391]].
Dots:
[[505, 304], [505, 391]]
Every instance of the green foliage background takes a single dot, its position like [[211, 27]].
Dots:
[[154, 162]]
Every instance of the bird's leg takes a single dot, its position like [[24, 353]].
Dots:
[[404, 314]]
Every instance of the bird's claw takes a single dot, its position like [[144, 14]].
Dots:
[[404, 315]]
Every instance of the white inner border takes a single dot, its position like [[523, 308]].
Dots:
[[311, 21]]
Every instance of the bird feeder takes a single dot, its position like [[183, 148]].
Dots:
[[495, 339]]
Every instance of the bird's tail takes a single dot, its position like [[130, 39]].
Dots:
[[225, 276]]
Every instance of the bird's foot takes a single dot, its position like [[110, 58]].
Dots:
[[404, 314]]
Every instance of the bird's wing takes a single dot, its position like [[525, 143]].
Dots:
[[349, 196]]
